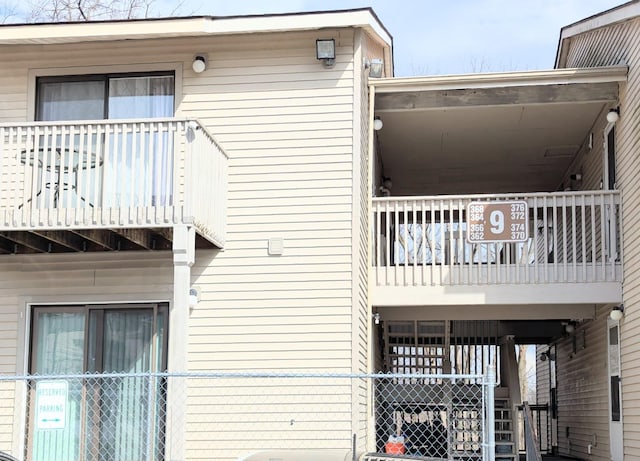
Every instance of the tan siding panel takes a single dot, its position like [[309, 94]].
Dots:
[[615, 44], [287, 125], [583, 390], [30, 278]]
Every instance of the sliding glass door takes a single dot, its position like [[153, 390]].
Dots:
[[116, 418], [141, 163], [134, 165]]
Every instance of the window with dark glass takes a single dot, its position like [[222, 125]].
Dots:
[[103, 417], [611, 158], [110, 96]]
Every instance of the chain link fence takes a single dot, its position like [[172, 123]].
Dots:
[[441, 417], [228, 416]]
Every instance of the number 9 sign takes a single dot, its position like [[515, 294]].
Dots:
[[496, 218], [497, 222]]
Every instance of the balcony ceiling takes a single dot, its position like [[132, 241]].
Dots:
[[487, 139]]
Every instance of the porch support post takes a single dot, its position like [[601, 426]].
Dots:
[[184, 238], [183, 259]]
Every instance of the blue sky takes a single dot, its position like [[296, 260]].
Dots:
[[443, 36]]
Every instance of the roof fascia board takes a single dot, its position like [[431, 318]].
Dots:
[[281, 23], [99, 31], [184, 27], [501, 79], [614, 15]]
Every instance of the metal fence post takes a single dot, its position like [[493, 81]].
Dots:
[[490, 432], [150, 406]]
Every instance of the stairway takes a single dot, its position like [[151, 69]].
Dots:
[[505, 430]]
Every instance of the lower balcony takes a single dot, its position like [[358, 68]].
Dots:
[[109, 185], [565, 249]]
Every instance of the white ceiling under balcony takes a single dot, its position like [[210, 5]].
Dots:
[[474, 134]]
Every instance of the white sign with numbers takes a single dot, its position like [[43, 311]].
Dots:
[[497, 222]]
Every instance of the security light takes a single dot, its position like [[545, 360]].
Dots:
[[199, 64], [326, 51]]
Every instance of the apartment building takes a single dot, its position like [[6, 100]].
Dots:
[[211, 209]]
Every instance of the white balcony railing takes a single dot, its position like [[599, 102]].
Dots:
[[101, 174], [421, 241]]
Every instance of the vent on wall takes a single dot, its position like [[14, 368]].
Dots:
[[561, 151]]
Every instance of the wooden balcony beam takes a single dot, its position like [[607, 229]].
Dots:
[[65, 239], [7, 246], [143, 238], [102, 238], [32, 241], [165, 232]]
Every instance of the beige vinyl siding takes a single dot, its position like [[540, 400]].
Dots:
[[614, 44], [542, 376], [68, 279], [583, 405], [296, 166], [361, 193], [543, 396], [287, 124]]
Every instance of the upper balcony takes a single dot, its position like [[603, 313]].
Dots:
[[539, 141], [109, 185], [568, 249]]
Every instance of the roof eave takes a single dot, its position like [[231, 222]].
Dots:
[[190, 27], [501, 79]]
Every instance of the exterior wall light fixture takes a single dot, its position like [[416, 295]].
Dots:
[[194, 296], [199, 64], [547, 355], [613, 115], [617, 313], [376, 67], [326, 52], [377, 123], [376, 318]]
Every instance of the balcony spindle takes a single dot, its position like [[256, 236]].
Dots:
[[137, 174], [405, 245], [555, 228], [613, 225], [415, 229], [396, 231], [443, 248], [432, 240], [388, 241], [565, 256], [603, 238], [574, 234]]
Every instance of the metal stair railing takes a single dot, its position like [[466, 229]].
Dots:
[[530, 436]]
